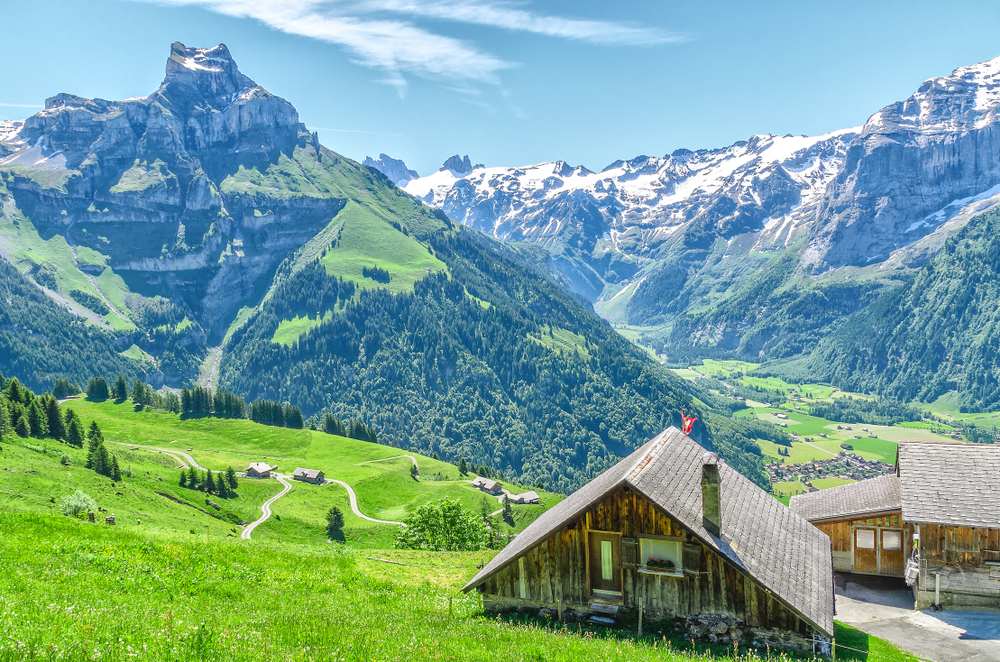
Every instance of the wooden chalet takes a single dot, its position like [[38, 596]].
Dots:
[[314, 476], [671, 531], [259, 470], [941, 505], [487, 485]]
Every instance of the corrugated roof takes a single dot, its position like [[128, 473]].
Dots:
[[955, 484], [774, 546], [874, 495]]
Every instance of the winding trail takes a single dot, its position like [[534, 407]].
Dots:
[[180, 456], [394, 457], [266, 508], [354, 504]]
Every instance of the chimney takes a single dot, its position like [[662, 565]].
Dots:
[[711, 497]]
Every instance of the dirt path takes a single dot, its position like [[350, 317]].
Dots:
[[394, 457], [181, 457], [822, 450], [354, 504], [266, 508]]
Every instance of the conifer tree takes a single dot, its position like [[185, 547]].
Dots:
[[101, 463], [57, 429], [120, 389], [209, 482], [97, 389], [5, 427], [37, 420], [115, 473], [21, 427], [463, 468], [139, 393], [221, 487], [95, 441], [184, 479], [231, 478], [192, 479], [74, 432]]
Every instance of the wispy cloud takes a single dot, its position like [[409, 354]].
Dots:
[[381, 34], [509, 16]]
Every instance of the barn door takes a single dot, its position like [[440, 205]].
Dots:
[[605, 562], [891, 555], [866, 551]]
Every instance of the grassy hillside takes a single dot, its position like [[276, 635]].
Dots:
[[377, 473], [76, 591]]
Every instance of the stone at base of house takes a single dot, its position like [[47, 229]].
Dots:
[[726, 630], [709, 628], [949, 600]]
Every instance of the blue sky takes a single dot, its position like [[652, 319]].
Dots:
[[513, 82]]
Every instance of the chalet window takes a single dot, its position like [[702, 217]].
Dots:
[[661, 554], [892, 541], [865, 538], [607, 568], [630, 552]]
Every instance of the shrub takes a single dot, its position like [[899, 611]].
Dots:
[[76, 503], [443, 526]]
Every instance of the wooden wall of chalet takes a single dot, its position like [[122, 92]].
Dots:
[[555, 572], [962, 556]]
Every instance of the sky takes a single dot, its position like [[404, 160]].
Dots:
[[513, 82]]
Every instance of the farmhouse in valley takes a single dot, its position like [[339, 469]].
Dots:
[[935, 521], [525, 497], [260, 470], [673, 530], [487, 485], [314, 476]]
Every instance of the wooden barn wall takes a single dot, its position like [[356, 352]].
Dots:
[[555, 573], [959, 545], [840, 534]]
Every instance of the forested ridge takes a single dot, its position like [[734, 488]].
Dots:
[[440, 371], [937, 333], [40, 342]]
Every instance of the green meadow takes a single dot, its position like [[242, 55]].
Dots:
[[70, 590]]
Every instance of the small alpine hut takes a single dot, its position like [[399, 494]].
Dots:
[[259, 470], [941, 505], [314, 476], [673, 532]]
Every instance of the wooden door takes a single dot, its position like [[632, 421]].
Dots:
[[866, 551], [605, 562], [891, 555]]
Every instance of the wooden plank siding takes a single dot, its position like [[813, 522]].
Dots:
[[848, 559], [555, 573], [961, 558]]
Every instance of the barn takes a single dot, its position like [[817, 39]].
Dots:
[[940, 506], [865, 523], [673, 532]]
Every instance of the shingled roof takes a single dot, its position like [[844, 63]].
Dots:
[[775, 547], [953, 484], [866, 497]]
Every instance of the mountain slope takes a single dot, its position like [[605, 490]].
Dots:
[[937, 333], [207, 227]]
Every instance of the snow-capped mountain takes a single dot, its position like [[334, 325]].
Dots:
[[621, 216], [392, 168], [643, 238]]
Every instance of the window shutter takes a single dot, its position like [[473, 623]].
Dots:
[[692, 558], [630, 553]]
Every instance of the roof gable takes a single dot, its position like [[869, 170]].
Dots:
[[773, 545], [865, 497]]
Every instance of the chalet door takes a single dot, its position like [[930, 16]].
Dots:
[[891, 555], [866, 551], [879, 551], [605, 562]]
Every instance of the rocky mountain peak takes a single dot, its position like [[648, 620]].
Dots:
[[394, 169], [212, 72], [459, 166]]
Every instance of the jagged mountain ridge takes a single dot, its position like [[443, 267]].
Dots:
[[673, 241]]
